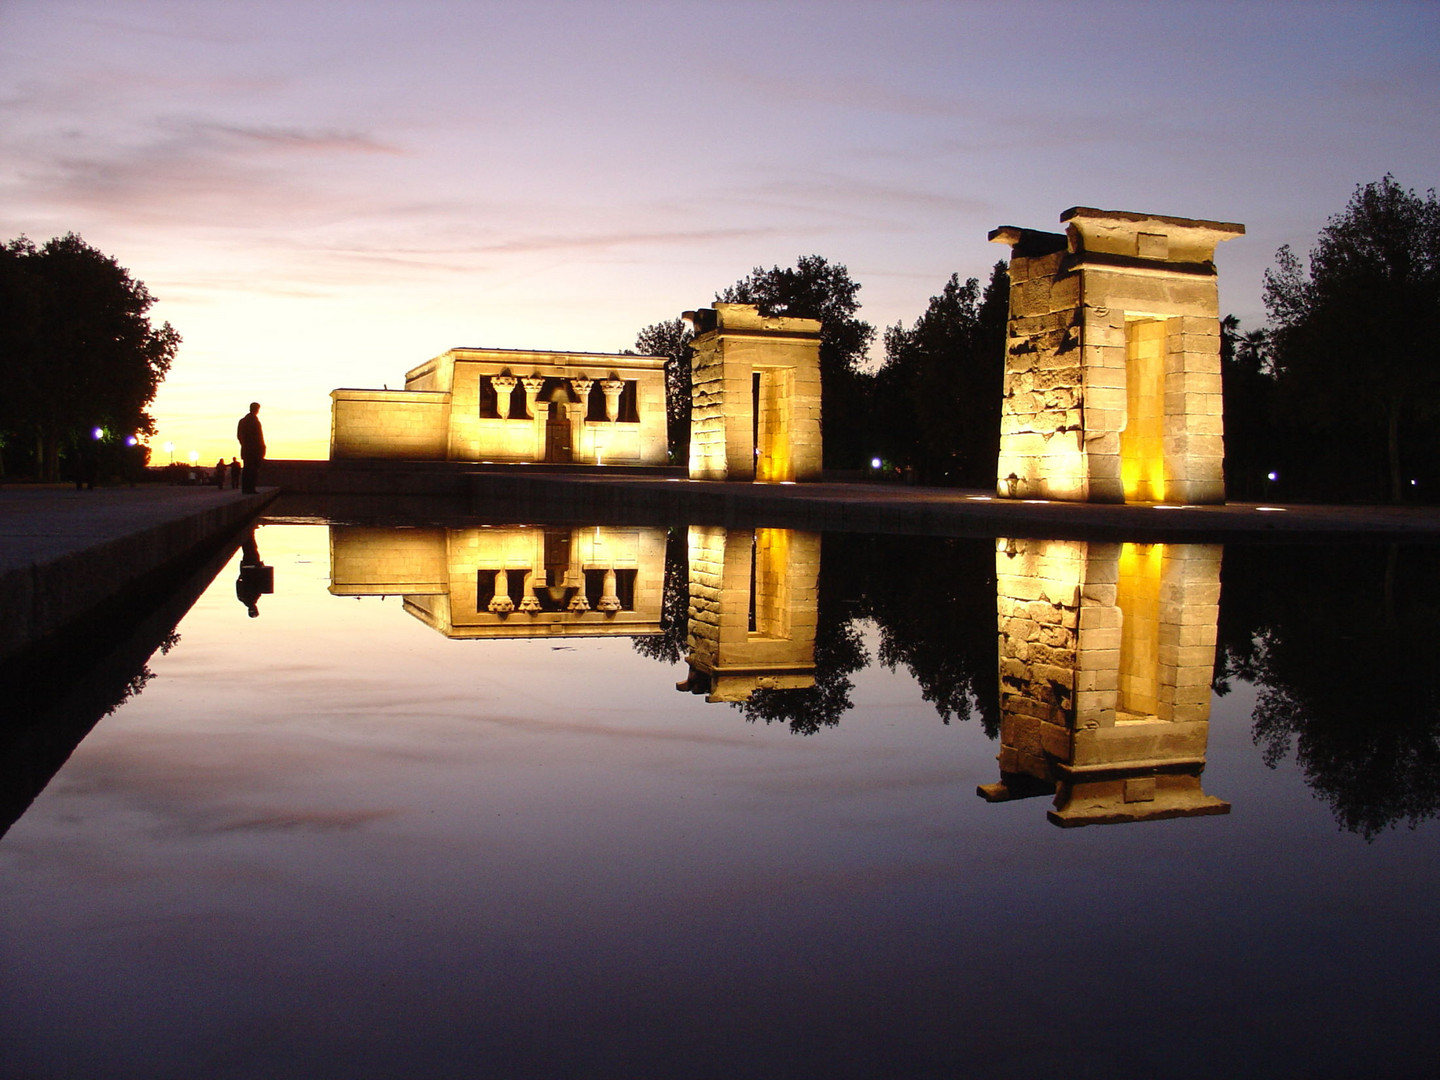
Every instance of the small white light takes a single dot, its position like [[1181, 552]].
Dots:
[[1272, 509], [874, 463], [1273, 475], [99, 433], [979, 498], [132, 441]]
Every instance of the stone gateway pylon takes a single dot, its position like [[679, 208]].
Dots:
[[1112, 367], [755, 396]]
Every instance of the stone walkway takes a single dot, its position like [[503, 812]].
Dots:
[[64, 552]]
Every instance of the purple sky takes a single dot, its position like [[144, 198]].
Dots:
[[325, 195]]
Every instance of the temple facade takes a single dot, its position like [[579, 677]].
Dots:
[[521, 581], [1112, 369], [504, 405]]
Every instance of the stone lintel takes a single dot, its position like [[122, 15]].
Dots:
[[1028, 243], [1153, 237], [1104, 261], [1081, 215], [746, 319]]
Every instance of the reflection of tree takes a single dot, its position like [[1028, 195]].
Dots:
[[668, 646], [1325, 635], [933, 603], [933, 600], [839, 652]]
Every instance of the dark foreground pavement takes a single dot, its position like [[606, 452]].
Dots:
[[65, 554], [601, 495]]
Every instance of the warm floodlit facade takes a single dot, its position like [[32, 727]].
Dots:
[[507, 405], [1112, 368]]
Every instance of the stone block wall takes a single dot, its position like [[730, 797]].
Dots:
[[395, 424], [439, 571], [1112, 371], [728, 440], [1106, 653], [779, 653]]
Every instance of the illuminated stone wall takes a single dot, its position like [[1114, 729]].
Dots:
[[738, 431], [1112, 370], [389, 424], [504, 405], [513, 582], [753, 603], [1106, 656]]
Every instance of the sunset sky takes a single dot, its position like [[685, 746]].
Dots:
[[324, 195]]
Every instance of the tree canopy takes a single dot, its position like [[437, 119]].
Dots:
[[1354, 340], [938, 394], [671, 339], [815, 288], [77, 351]]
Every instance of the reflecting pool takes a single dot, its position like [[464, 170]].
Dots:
[[576, 800]]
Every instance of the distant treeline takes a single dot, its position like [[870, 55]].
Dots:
[[1334, 400]]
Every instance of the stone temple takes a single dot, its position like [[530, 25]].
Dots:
[[511, 405], [1112, 368]]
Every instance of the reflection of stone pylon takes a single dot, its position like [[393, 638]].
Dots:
[[1106, 656], [753, 603]]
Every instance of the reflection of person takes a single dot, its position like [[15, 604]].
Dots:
[[234, 472], [256, 579], [252, 447]]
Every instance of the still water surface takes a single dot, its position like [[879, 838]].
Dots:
[[332, 841]]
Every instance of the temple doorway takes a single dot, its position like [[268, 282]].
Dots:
[[559, 447]]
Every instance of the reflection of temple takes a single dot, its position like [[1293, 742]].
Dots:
[[752, 611], [510, 582], [1106, 656]]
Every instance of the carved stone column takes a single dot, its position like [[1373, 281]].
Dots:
[[530, 603], [504, 386], [613, 389], [533, 385], [500, 603], [609, 599]]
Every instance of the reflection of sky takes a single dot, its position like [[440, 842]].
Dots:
[[327, 194], [331, 842]]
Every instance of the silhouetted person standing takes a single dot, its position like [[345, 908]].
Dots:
[[234, 472], [252, 447]]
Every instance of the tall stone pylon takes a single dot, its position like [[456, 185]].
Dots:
[[755, 396], [1112, 368]]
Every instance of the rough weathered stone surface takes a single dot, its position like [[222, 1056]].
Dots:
[[1106, 653], [1111, 389], [738, 431], [728, 659]]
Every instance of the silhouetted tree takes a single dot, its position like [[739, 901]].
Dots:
[[669, 646], [839, 653], [77, 350], [817, 289], [938, 394], [933, 601], [1322, 633], [1253, 445], [672, 340], [1354, 339]]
